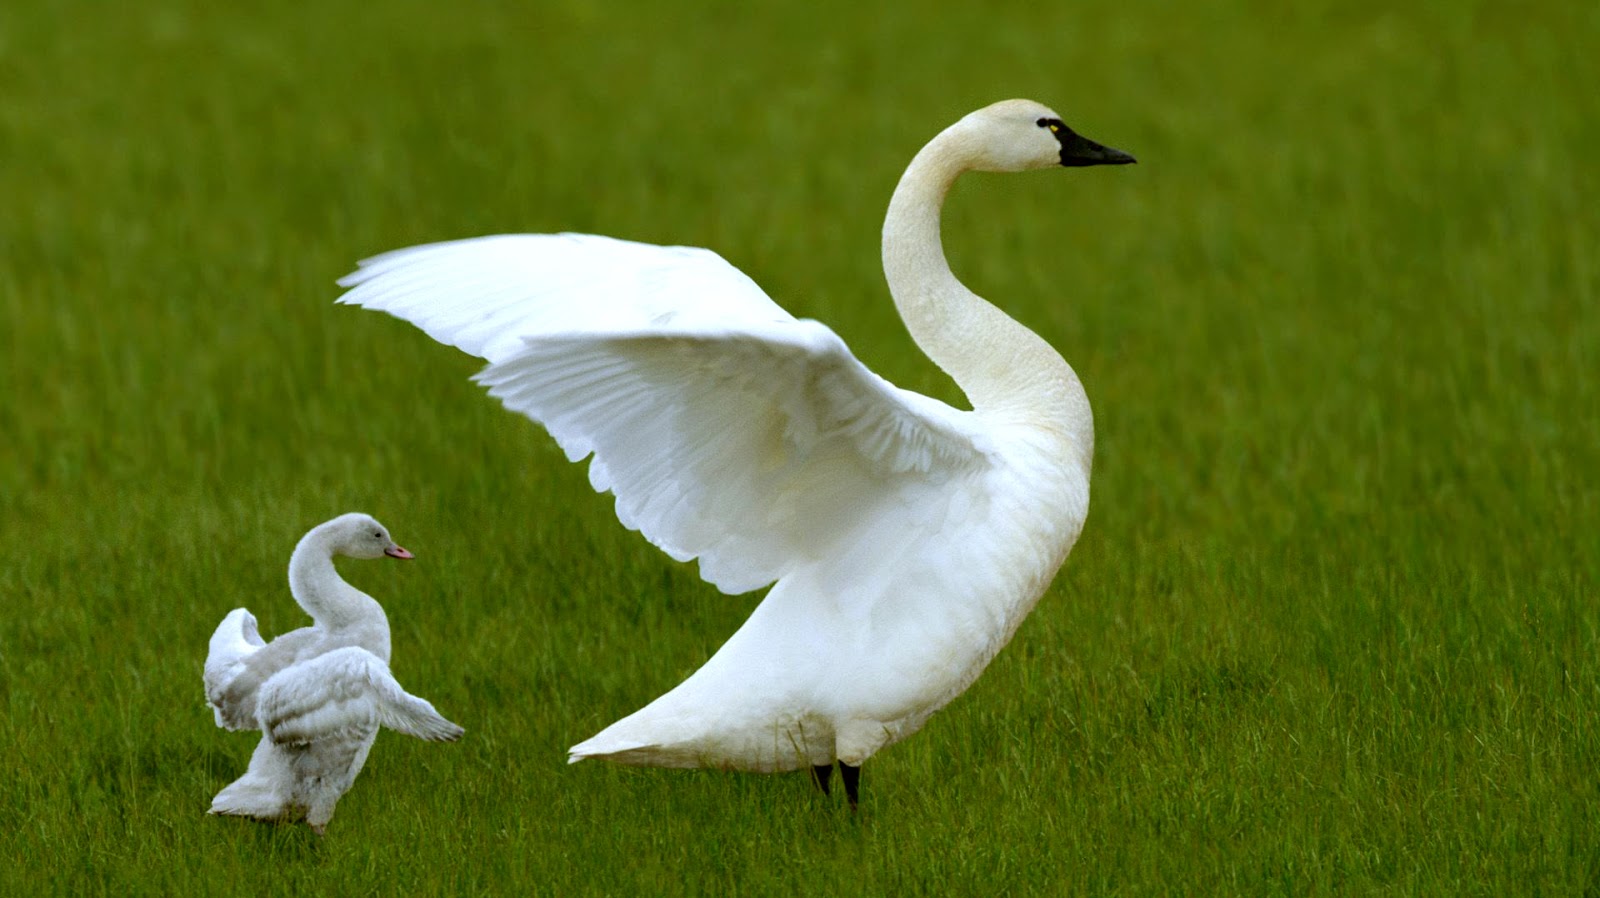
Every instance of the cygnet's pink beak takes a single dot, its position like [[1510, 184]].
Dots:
[[397, 552]]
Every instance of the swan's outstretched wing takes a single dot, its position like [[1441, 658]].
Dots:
[[235, 640], [344, 694], [728, 430]]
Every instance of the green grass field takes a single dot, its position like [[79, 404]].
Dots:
[[1333, 626]]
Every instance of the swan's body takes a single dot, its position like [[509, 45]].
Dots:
[[907, 539], [317, 694]]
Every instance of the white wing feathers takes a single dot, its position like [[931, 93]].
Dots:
[[486, 295], [727, 429], [344, 694], [233, 642]]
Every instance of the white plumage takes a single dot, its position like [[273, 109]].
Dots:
[[318, 694], [907, 539]]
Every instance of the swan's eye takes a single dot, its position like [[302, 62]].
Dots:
[[377, 534], [1054, 124]]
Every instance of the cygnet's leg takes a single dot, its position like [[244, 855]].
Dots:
[[340, 763], [821, 774], [322, 810], [852, 783]]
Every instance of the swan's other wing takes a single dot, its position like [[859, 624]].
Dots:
[[234, 641], [344, 694], [728, 430]]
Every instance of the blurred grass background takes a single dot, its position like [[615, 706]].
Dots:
[[1332, 626]]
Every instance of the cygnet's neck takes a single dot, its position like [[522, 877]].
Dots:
[[335, 605], [1007, 371]]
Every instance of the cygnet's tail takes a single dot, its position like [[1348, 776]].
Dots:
[[257, 794], [250, 796]]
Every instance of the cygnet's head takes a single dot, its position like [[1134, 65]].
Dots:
[[360, 536], [1018, 135]]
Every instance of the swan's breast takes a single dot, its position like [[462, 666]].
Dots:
[[942, 600]]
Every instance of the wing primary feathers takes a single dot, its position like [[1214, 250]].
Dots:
[[346, 693], [720, 422]]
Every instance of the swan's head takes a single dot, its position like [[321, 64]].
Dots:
[[360, 536], [1018, 135]]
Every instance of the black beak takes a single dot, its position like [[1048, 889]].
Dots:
[[1078, 150]]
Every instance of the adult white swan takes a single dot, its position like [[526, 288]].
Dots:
[[317, 694], [907, 539]]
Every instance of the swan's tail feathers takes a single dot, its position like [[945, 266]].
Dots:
[[233, 642], [664, 733], [622, 751]]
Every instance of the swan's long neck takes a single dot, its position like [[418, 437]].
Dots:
[[1007, 371], [334, 604]]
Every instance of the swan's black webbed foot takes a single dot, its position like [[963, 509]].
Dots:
[[821, 774], [852, 783]]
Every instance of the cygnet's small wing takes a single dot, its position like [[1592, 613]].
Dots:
[[345, 694], [235, 640]]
